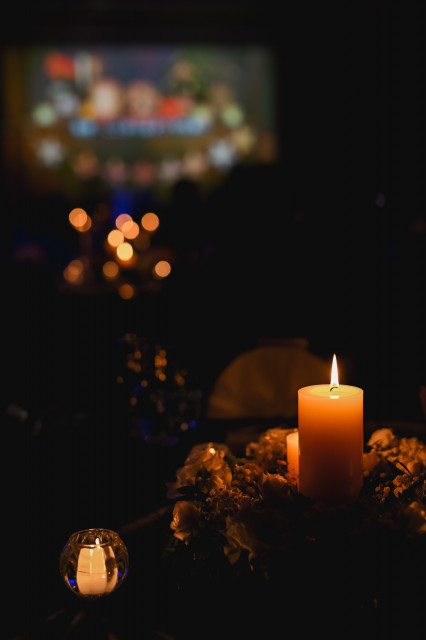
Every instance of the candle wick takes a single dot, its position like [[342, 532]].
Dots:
[[335, 387]]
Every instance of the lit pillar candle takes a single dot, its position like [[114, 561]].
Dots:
[[293, 453], [92, 576], [330, 441]]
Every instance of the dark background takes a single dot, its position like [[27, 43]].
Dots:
[[339, 256]]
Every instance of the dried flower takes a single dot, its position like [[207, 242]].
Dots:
[[211, 457], [225, 501], [238, 537], [414, 516], [252, 502], [382, 439], [274, 486], [246, 476], [186, 517], [219, 479], [270, 452]]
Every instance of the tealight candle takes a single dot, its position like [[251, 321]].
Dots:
[[330, 441], [92, 577], [94, 562], [293, 454]]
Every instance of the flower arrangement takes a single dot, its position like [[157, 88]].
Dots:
[[249, 507]]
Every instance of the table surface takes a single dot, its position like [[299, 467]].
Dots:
[[79, 472]]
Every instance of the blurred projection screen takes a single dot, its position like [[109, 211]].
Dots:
[[134, 116]]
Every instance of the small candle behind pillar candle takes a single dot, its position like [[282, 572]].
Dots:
[[293, 454]]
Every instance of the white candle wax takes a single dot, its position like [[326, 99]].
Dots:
[[293, 453], [92, 575], [331, 442]]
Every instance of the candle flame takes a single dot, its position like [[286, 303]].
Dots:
[[334, 382]]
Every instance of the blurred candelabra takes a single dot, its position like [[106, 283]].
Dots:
[[163, 400]]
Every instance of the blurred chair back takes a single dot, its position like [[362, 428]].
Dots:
[[263, 382]]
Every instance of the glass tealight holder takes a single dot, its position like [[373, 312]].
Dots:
[[94, 563]]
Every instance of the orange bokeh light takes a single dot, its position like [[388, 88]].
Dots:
[[86, 226], [79, 219], [150, 221], [111, 270], [126, 291], [162, 269], [122, 219], [125, 251], [130, 229], [115, 238], [73, 273]]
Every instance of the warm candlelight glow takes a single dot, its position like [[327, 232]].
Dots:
[[330, 440], [92, 575], [94, 562], [334, 382]]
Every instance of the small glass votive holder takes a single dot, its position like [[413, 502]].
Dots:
[[94, 562]]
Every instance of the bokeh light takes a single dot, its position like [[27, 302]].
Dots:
[[126, 291], [130, 230], [162, 269], [79, 219], [122, 219], [232, 115], [125, 251], [111, 270], [74, 272], [150, 221], [115, 238], [44, 114], [86, 226]]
